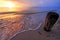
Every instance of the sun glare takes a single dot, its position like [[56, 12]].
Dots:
[[9, 4]]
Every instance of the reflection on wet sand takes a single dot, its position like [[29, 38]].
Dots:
[[9, 25], [12, 24]]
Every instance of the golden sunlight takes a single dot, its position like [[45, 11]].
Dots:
[[7, 6], [9, 16]]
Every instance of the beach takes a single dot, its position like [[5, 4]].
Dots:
[[26, 27], [40, 34]]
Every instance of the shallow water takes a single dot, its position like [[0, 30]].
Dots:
[[11, 24]]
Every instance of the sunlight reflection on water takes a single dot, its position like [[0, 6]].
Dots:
[[11, 24]]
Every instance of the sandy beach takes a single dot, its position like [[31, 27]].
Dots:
[[40, 34], [27, 27]]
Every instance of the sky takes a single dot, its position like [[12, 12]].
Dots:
[[21, 4], [49, 3]]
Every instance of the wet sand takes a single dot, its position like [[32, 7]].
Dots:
[[11, 24], [40, 34]]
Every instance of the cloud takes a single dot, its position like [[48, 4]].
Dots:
[[40, 2], [29, 3]]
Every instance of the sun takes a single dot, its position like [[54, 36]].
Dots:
[[9, 4], [6, 6]]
